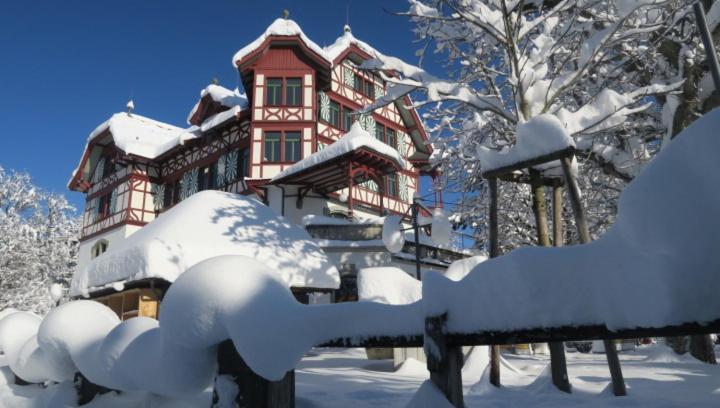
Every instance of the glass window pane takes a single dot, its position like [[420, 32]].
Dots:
[[243, 163], [335, 114], [272, 146], [292, 146], [380, 132], [369, 88], [274, 91], [348, 118], [391, 138], [292, 92], [358, 83], [391, 185]]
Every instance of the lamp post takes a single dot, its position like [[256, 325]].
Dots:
[[416, 230]]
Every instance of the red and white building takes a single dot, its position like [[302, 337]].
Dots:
[[300, 98]]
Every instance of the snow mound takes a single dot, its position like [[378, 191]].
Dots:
[[388, 285], [460, 268], [392, 234], [541, 135], [664, 354], [209, 224], [651, 269], [429, 396], [355, 139], [412, 368]]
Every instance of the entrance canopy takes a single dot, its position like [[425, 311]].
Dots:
[[355, 158]]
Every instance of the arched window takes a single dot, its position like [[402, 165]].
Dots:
[[99, 248]]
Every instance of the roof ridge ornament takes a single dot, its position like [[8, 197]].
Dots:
[[130, 107], [286, 14]]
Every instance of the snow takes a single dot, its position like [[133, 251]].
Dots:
[[460, 268], [138, 135], [346, 40], [282, 28], [541, 135], [429, 396], [225, 97], [392, 235], [209, 224], [220, 118], [388, 285], [655, 266], [441, 227], [312, 219], [357, 138]]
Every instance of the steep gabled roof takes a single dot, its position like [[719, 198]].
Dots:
[[280, 28], [134, 135], [344, 42], [219, 96]]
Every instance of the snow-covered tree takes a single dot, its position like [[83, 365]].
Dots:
[[38, 242], [594, 64]]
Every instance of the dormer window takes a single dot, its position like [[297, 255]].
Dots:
[[99, 248]]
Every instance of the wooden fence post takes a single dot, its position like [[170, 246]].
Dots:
[[253, 390], [443, 361], [494, 252], [558, 364], [584, 233]]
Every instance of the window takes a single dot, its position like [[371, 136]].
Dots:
[[391, 185], [108, 167], [380, 132], [348, 118], [243, 169], [292, 147], [293, 92], [172, 193], [99, 248], [386, 135], [207, 177], [363, 86], [335, 114], [391, 138], [272, 146], [283, 147], [103, 210], [273, 92]]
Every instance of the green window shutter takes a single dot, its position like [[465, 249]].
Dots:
[[403, 185], [324, 106]]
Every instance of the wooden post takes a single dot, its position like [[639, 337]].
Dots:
[[253, 390], [558, 233], [494, 252], [443, 361], [350, 191], [558, 365], [584, 233]]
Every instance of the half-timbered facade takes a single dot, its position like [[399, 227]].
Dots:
[[299, 98]]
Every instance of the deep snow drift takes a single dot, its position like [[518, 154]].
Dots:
[[209, 224]]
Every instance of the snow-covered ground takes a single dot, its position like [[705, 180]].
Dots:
[[346, 378], [655, 377]]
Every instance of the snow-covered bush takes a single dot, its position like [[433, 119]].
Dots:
[[38, 242]]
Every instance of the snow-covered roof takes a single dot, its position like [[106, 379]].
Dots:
[[346, 40], [355, 139], [281, 27], [206, 225], [140, 136], [223, 96]]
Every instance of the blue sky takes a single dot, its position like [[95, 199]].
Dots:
[[68, 65]]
